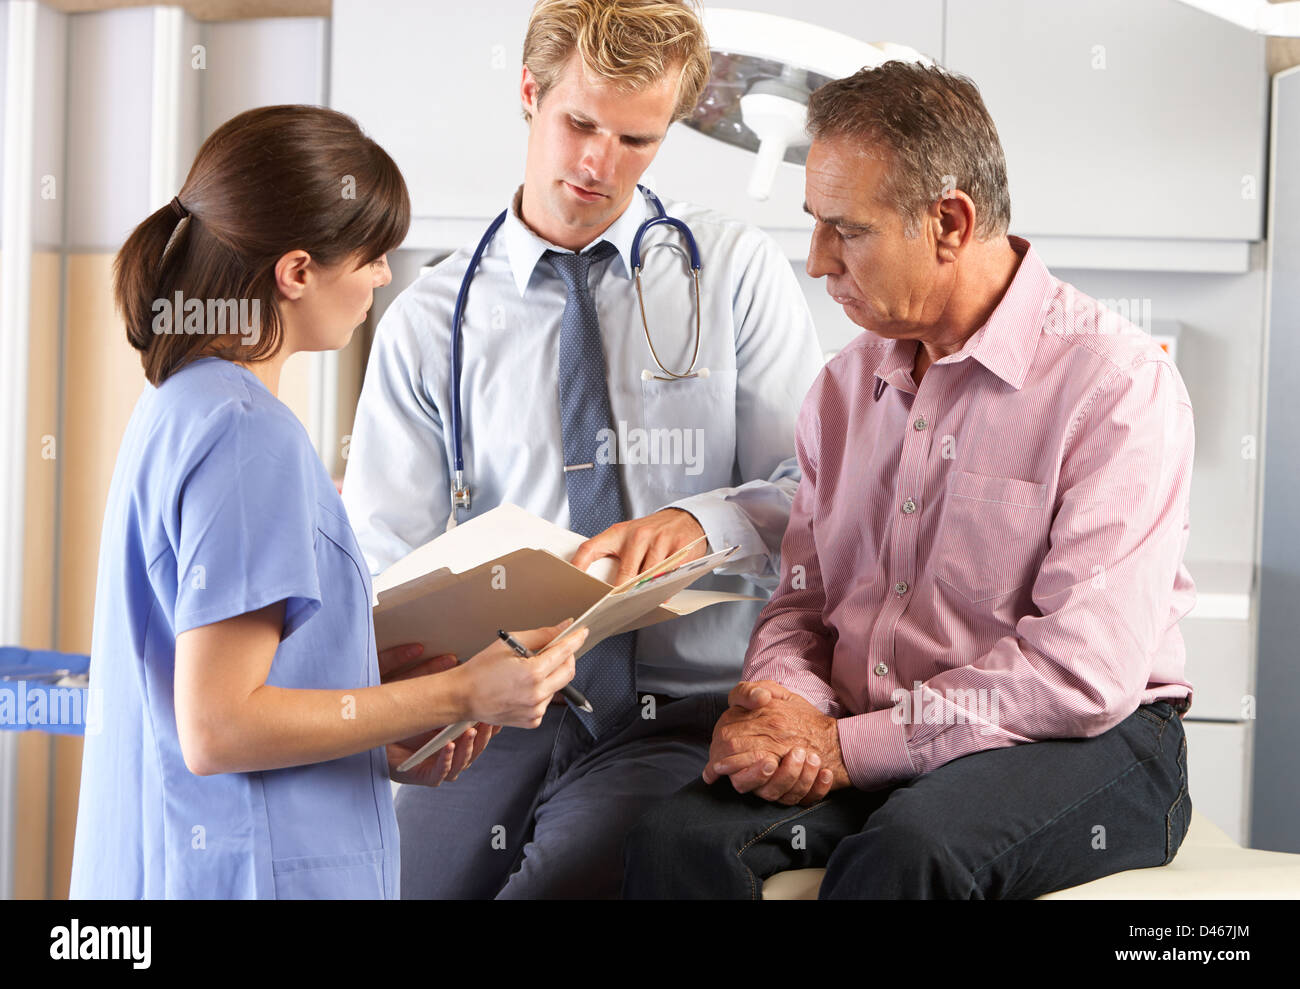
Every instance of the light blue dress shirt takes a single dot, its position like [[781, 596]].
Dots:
[[728, 437], [219, 506]]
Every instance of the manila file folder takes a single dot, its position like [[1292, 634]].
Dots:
[[509, 569]]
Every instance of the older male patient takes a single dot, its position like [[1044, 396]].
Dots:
[[969, 682]]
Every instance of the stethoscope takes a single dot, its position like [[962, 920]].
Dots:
[[460, 493]]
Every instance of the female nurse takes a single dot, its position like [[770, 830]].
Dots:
[[246, 735]]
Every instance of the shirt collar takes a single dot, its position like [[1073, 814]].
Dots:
[[524, 248], [1007, 341]]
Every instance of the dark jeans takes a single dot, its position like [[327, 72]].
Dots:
[[1009, 823], [543, 813]]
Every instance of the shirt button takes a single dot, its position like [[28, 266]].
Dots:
[[920, 424], [909, 507], [881, 669], [901, 587]]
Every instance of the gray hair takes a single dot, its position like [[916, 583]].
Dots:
[[936, 134]]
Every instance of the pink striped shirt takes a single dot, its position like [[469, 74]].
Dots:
[[995, 556]]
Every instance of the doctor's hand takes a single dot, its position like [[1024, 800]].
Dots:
[[454, 757], [776, 745], [643, 543]]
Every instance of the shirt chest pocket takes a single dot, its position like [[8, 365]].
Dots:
[[992, 534], [686, 442]]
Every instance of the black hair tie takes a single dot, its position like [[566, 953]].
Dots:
[[180, 211]]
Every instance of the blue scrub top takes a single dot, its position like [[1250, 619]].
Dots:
[[220, 506]]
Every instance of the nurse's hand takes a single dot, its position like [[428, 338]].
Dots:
[[453, 758], [643, 543], [449, 762], [502, 688]]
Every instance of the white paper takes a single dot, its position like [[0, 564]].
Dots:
[[493, 534]]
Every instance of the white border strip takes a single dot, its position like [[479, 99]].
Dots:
[[15, 316], [323, 402], [1093, 253], [1271, 273], [165, 125], [1271, 17], [1218, 257]]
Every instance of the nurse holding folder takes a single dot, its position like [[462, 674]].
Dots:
[[245, 713]]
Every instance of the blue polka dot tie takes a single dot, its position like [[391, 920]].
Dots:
[[607, 672]]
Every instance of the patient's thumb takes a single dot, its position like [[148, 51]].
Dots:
[[754, 697]]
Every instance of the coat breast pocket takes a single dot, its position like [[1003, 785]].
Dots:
[[686, 442], [992, 534]]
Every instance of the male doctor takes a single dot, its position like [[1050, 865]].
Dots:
[[554, 363]]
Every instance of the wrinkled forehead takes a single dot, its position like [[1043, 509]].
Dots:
[[845, 170]]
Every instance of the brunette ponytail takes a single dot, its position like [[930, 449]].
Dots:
[[266, 182], [138, 272]]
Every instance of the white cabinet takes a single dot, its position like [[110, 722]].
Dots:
[[437, 85], [1216, 774], [1120, 119], [1134, 132], [1219, 634]]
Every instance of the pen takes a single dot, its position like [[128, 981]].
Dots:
[[452, 732], [569, 691]]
